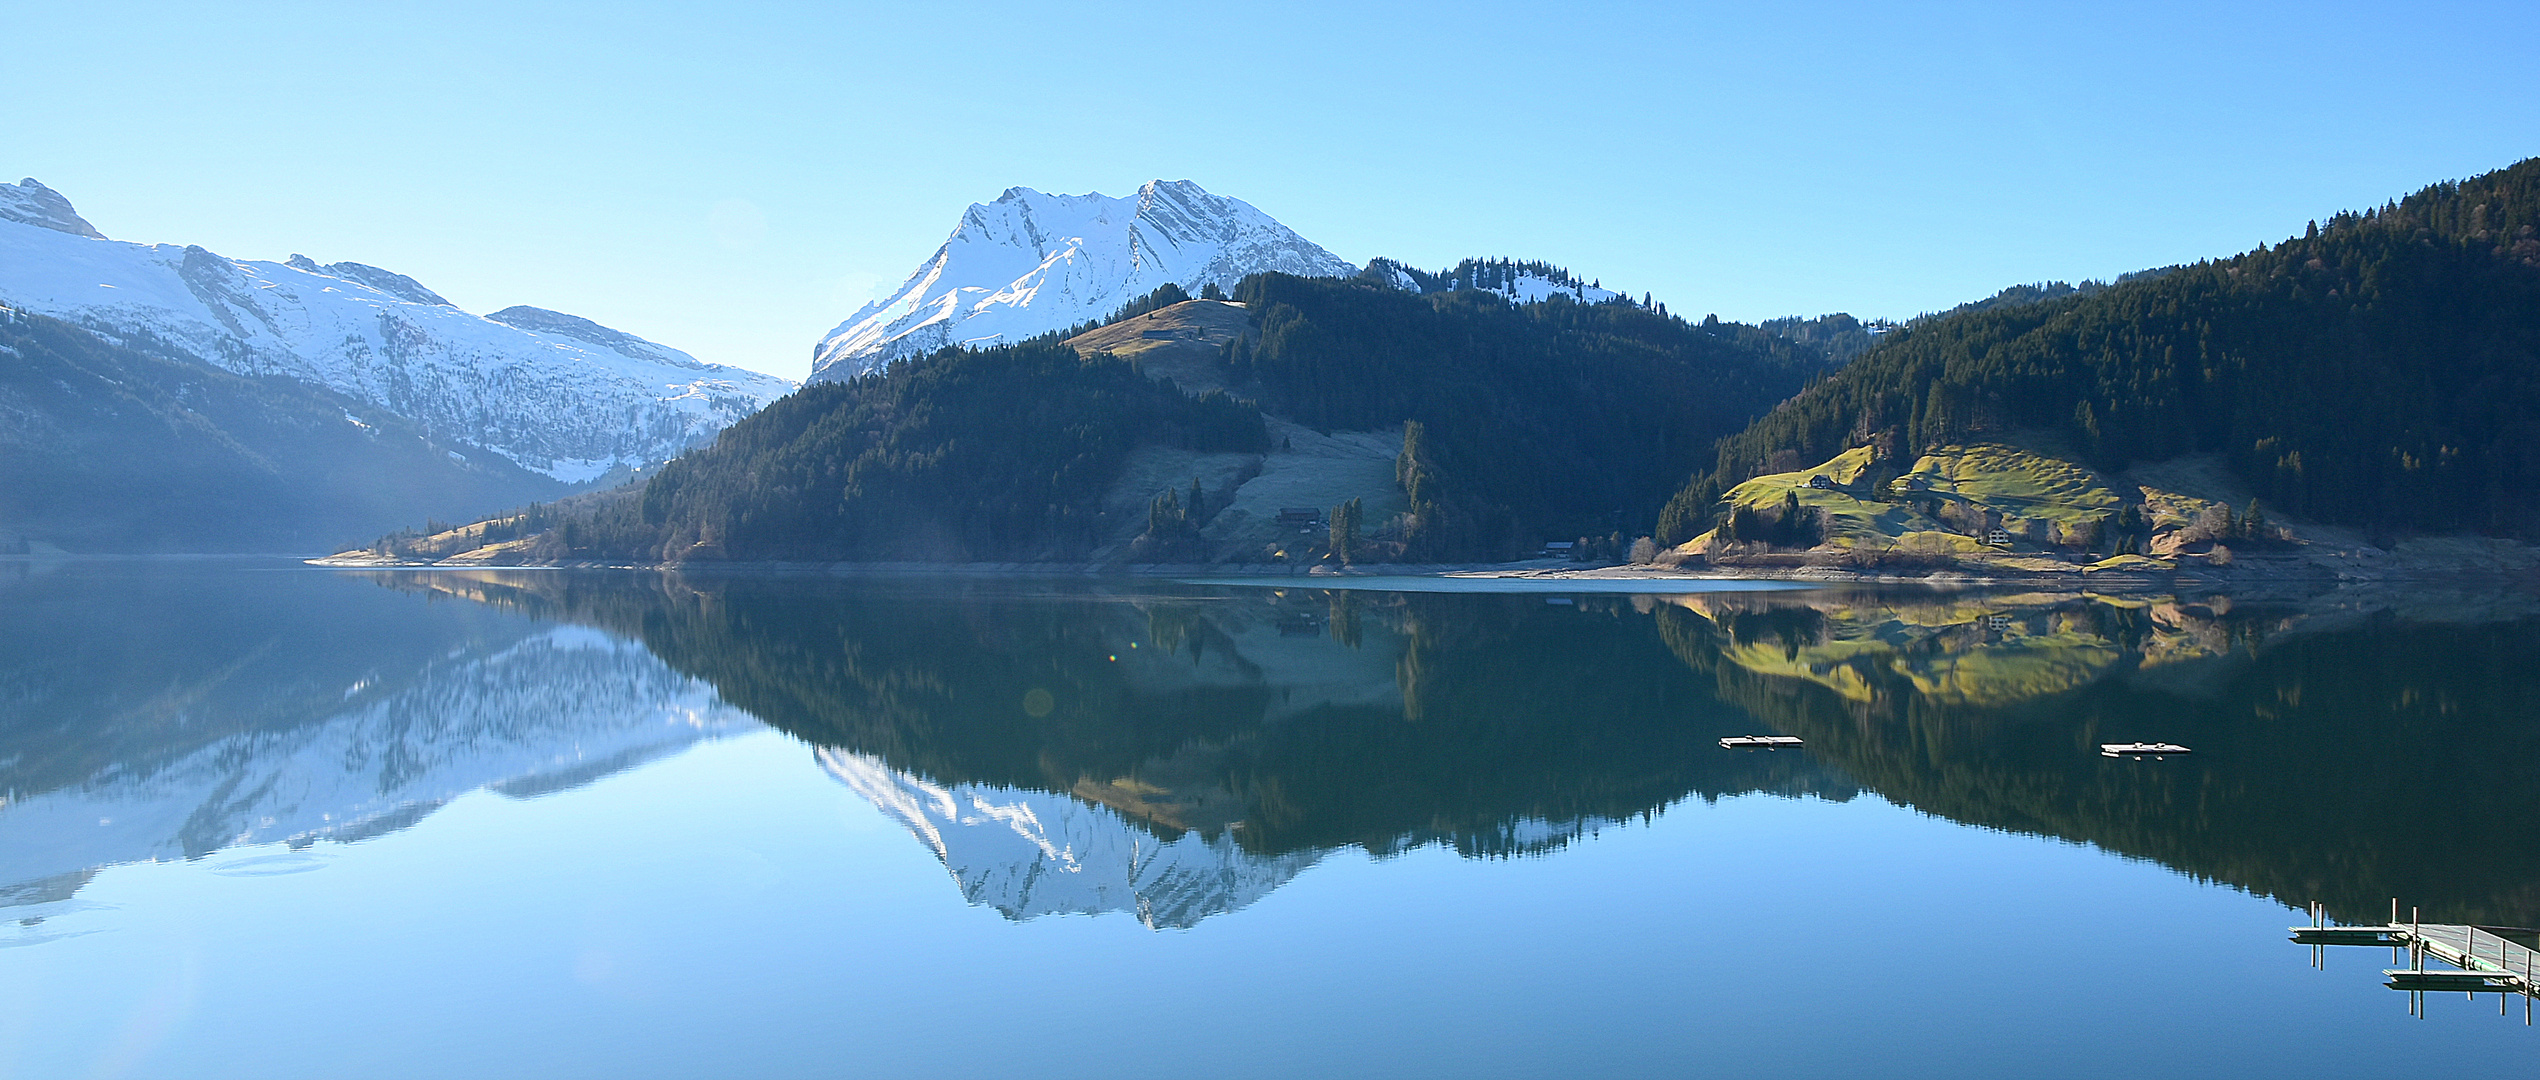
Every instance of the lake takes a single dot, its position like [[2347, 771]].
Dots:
[[268, 821]]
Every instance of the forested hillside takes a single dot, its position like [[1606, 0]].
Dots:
[[999, 453], [1520, 423], [136, 447], [2381, 370], [1534, 421]]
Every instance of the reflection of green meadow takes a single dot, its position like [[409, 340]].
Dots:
[[2342, 753], [1959, 649]]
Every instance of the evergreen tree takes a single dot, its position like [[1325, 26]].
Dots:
[[1790, 529], [1164, 515], [1344, 529]]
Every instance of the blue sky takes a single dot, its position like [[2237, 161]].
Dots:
[[734, 179]]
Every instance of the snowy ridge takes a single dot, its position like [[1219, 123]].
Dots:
[[387, 281], [544, 713], [1033, 853], [555, 394], [1520, 282], [1030, 263]]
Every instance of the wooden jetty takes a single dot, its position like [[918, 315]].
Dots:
[[2482, 960], [1766, 742]]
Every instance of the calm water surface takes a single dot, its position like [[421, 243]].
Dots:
[[265, 821]]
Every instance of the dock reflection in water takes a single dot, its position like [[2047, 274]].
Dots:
[[2470, 960]]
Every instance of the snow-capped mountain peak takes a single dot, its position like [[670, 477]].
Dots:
[[555, 394], [1029, 263], [29, 203]]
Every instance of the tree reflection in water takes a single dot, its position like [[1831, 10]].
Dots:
[[1179, 751], [2350, 747]]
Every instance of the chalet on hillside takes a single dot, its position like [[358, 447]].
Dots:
[[1821, 482], [1997, 537]]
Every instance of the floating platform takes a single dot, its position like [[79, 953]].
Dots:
[[2141, 749], [1762, 742]]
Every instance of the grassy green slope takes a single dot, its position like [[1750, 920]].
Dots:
[[2052, 512]]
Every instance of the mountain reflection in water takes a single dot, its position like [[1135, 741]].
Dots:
[[2350, 746], [169, 710], [1181, 751]]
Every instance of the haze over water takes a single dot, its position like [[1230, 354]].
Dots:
[[263, 820]]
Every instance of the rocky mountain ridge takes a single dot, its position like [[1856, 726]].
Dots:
[[555, 394]]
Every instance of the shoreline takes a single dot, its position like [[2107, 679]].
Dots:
[[1524, 569], [2269, 574]]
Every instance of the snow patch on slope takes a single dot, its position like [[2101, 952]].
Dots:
[[1520, 282], [1030, 263]]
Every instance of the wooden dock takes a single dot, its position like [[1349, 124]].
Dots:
[[2478, 956], [2480, 959]]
